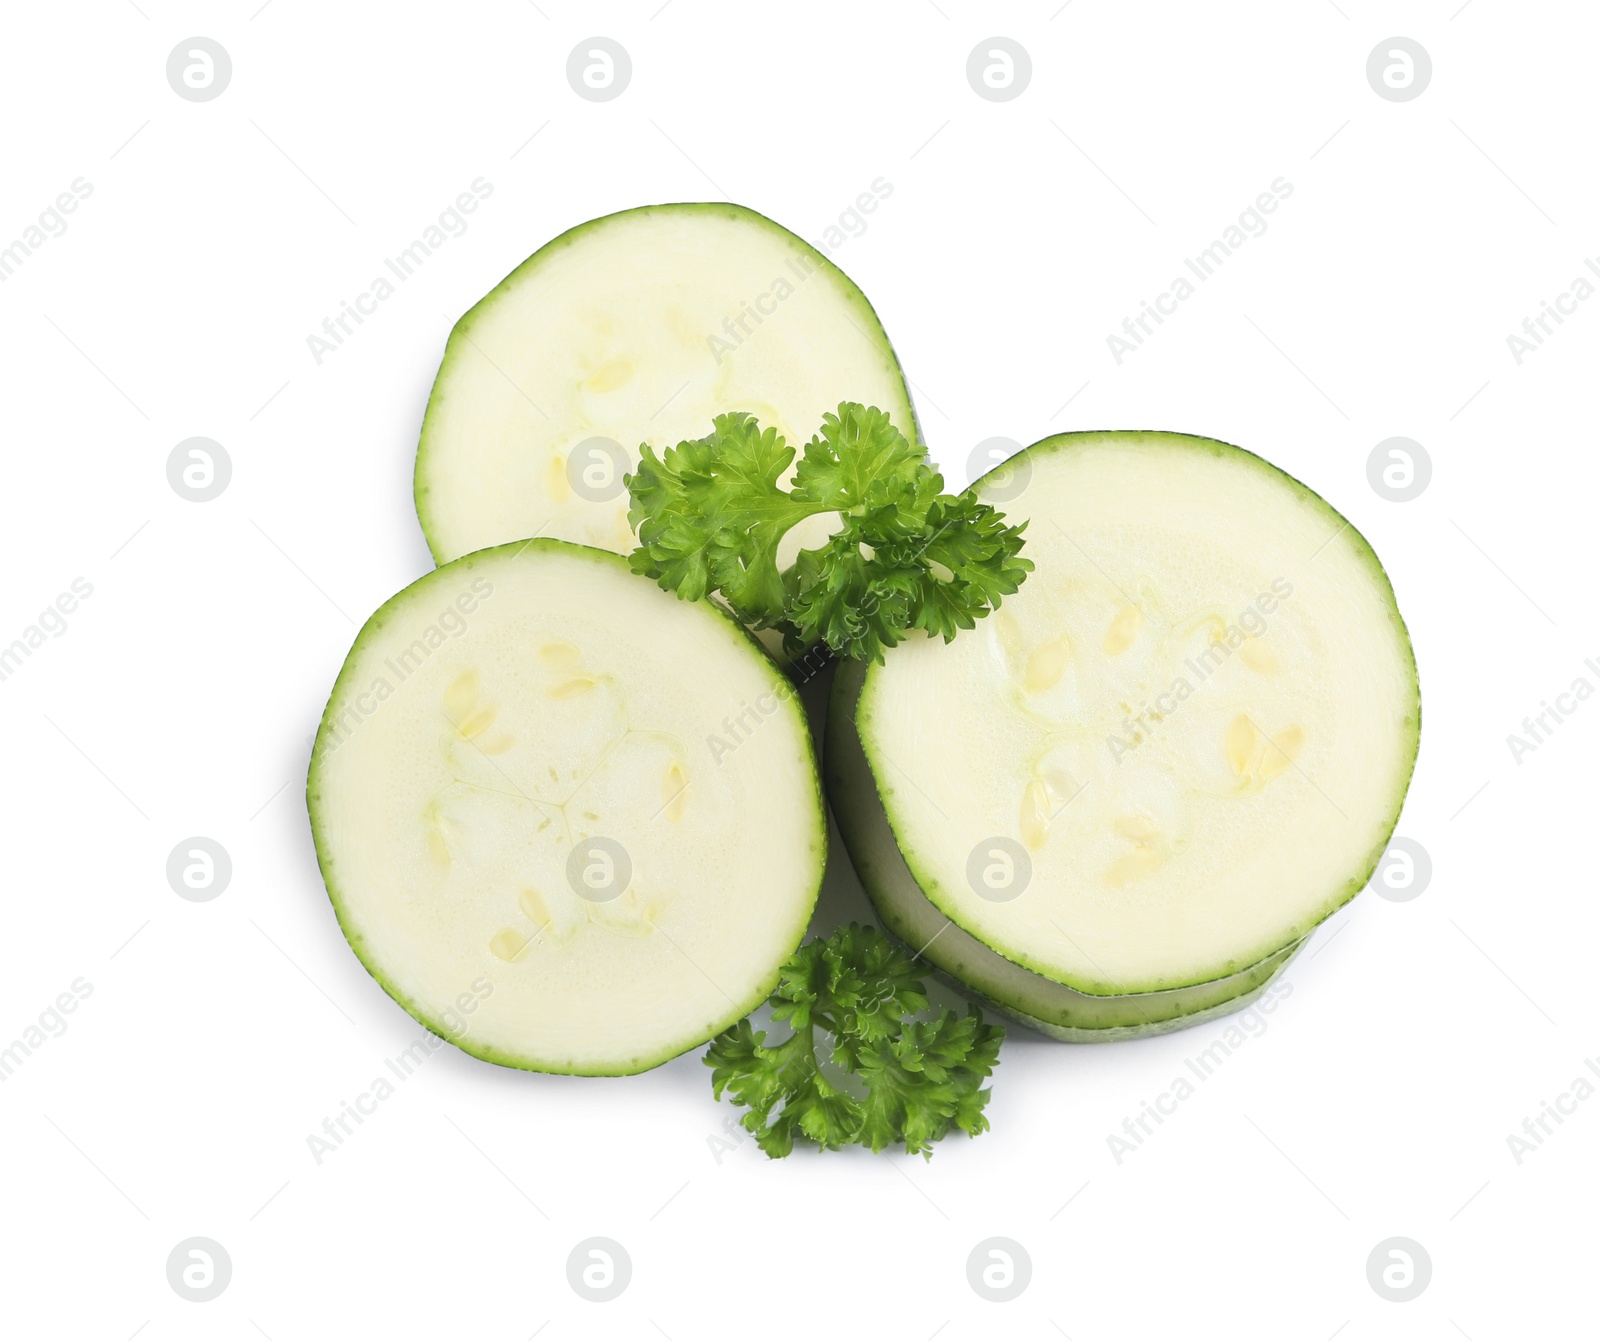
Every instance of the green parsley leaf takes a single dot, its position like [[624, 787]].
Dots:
[[914, 1075], [710, 514]]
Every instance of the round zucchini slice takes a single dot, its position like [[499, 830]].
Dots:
[[637, 327], [1177, 749], [532, 832]]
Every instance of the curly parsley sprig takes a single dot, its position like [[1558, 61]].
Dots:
[[916, 1079], [710, 514]]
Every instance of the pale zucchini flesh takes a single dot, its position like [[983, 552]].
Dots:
[[1198, 719], [492, 723]]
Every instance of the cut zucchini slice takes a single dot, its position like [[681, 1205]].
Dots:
[[637, 327], [532, 831], [1177, 749]]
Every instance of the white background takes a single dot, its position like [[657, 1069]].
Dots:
[[182, 697]]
